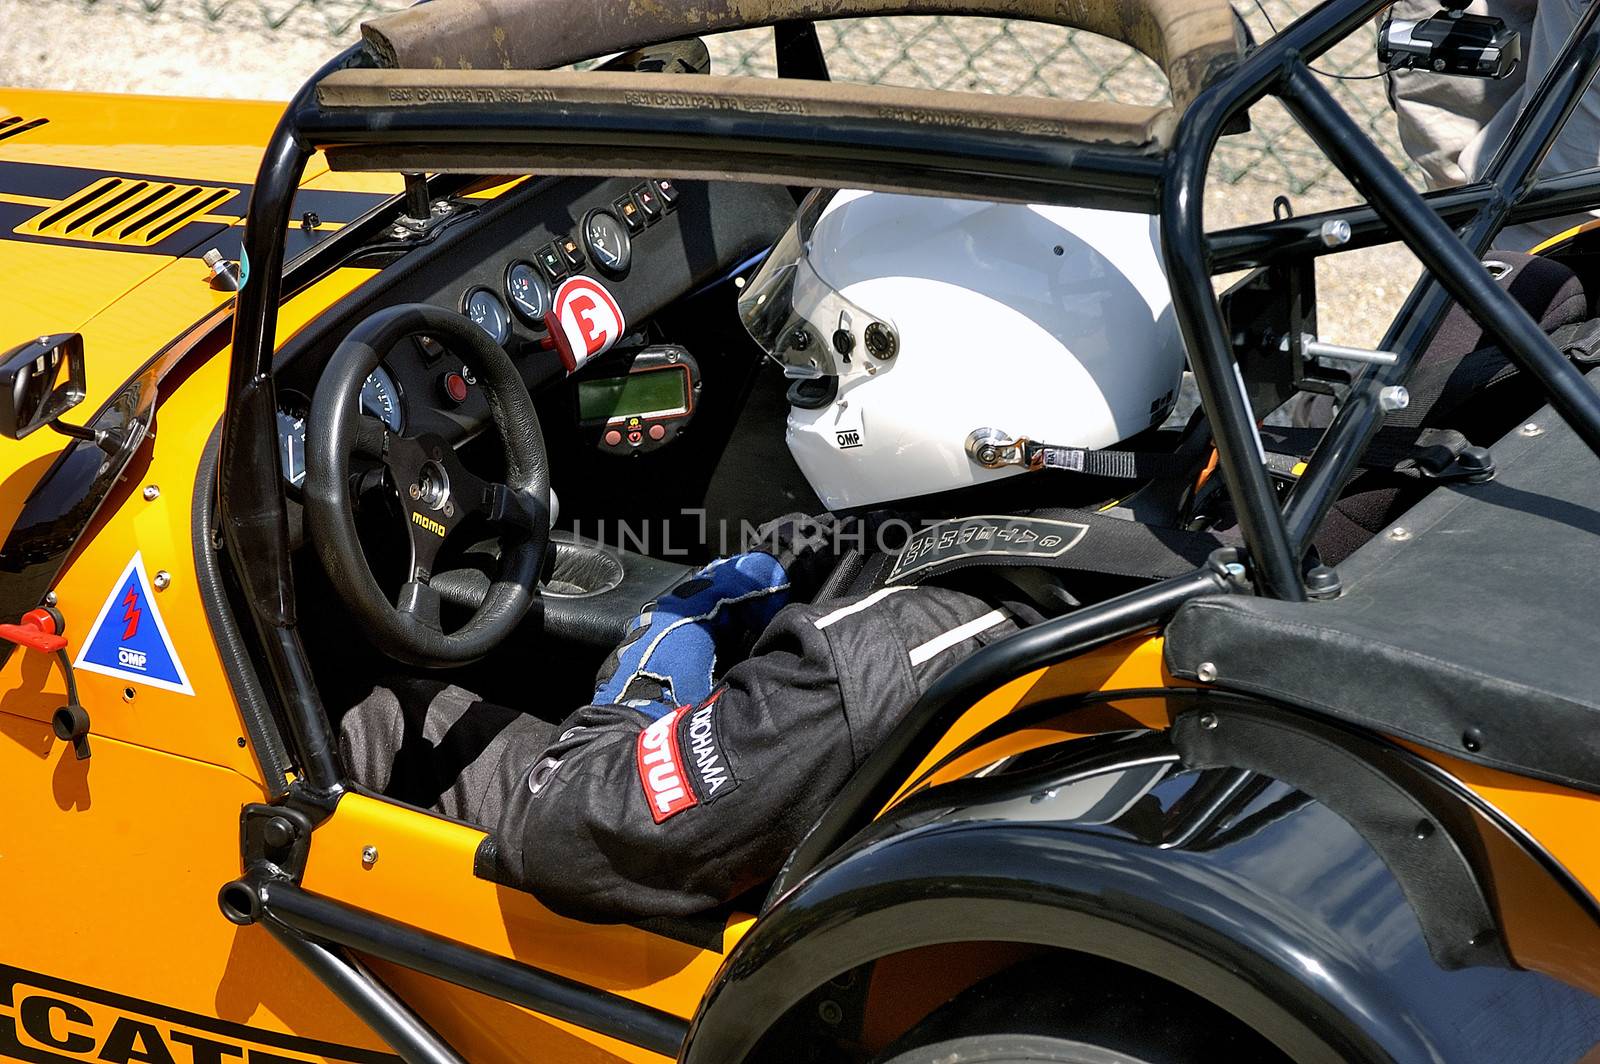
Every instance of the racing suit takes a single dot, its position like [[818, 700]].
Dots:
[[679, 787]]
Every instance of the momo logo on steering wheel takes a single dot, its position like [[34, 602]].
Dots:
[[584, 320]]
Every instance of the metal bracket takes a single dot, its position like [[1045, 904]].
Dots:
[[1309, 355], [275, 841], [994, 449], [1425, 836], [1306, 347], [421, 215]]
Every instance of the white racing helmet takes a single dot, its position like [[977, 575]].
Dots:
[[912, 322]]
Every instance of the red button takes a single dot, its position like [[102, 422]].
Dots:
[[455, 387], [635, 437], [658, 432], [613, 438]]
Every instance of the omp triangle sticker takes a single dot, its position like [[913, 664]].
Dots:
[[129, 640]]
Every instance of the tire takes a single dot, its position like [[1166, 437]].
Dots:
[[1012, 1049], [1051, 1011]]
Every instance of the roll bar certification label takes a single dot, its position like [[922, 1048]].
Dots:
[[129, 640]]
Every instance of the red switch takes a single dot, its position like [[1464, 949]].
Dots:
[[454, 386], [39, 630]]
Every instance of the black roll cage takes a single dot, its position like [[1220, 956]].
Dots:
[[1004, 165], [943, 160]]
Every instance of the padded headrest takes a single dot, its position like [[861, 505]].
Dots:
[[1548, 290]]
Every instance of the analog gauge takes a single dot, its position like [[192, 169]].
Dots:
[[528, 292], [607, 241], [292, 446], [380, 397], [489, 314]]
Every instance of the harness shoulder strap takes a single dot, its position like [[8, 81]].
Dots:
[[1072, 540]]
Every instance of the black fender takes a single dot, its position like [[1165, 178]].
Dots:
[[1167, 852]]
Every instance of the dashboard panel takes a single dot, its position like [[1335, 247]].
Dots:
[[573, 250]]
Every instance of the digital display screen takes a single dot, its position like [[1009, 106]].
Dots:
[[652, 392]]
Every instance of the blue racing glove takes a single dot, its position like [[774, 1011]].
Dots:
[[669, 655]]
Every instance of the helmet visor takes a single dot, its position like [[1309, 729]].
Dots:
[[801, 321]]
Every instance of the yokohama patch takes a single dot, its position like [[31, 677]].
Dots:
[[661, 769], [584, 320], [700, 741], [129, 640]]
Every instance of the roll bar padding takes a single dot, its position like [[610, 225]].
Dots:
[[1085, 121], [1191, 40]]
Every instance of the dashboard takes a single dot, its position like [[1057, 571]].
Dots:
[[570, 276]]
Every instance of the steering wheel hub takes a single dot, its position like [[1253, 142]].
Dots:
[[432, 488]]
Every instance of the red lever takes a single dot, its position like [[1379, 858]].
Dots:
[[36, 632]]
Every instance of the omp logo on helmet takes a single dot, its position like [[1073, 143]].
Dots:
[[584, 320], [46, 1019], [847, 428], [666, 789]]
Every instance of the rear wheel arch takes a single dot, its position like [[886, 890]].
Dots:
[[1276, 905], [1044, 1003], [827, 929]]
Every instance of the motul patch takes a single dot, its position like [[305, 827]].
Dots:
[[661, 771], [701, 742], [584, 321]]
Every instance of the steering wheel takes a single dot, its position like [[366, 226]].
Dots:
[[435, 490]]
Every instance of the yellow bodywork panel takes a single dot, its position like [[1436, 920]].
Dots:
[[127, 298], [422, 876], [206, 725], [206, 144], [1127, 665], [109, 870], [124, 211]]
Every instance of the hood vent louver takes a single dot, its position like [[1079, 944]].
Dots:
[[15, 125], [125, 211]]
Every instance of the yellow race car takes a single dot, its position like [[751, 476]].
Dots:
[[1271, 805]]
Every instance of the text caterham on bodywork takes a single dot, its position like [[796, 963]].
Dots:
[[1291, 797]]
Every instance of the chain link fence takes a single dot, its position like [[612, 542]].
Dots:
[[965, 54]]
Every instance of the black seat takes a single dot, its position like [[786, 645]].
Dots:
[[1472, 631], [1463, 382]]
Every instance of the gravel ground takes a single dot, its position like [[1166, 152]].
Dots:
[[230, 48]]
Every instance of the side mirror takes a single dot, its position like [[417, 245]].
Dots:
[[39, 381]]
